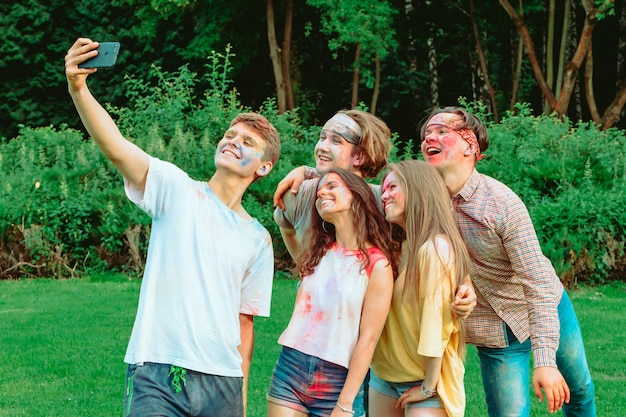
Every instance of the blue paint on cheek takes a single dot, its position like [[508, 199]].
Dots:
[[248, 160]]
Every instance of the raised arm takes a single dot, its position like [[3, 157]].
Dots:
[[130, 160], [373, 317], [290, 238]]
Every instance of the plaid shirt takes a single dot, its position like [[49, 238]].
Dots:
[[515, 283]]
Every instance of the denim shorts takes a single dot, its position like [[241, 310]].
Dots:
[[396, 389], [309, 384], [150, 391]]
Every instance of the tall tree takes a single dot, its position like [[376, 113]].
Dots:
[[366, 26], [433, 72], [516, 64], [482, 59], [277, 61], [594, 12], [281, 56]]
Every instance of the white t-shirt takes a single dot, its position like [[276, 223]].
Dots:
[[205, 266], [327, 313]]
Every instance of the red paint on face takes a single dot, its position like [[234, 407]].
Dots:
[[442, 145]]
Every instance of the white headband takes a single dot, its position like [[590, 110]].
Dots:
[[346, 127]]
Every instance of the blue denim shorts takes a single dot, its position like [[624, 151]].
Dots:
[[150, 391], [396, 389], [309, 384]]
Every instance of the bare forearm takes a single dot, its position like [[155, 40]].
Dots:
[[129, 159], [359, 365], [246, 348], [433, 371]]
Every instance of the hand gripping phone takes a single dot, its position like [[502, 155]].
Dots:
[[107, 55]]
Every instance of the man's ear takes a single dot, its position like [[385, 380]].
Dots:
[[358, 159], [471, 150], [264, 169]]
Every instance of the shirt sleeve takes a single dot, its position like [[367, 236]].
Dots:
[[536, 275], [163, 182], [297, 207], [256, 289], [436, 318]]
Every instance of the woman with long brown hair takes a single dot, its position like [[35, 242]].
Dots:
[[341, 305]]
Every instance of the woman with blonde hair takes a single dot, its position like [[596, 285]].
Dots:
[[417, 369]]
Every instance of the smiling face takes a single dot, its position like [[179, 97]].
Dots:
[[333, 151], [442, 144], [241, 150], [394, 201], [333, 196]]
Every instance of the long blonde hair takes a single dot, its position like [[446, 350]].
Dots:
[[428, 211]]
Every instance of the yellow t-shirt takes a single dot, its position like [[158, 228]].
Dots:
[[406, 339]]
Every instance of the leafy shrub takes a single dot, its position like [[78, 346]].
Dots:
[[63, 211], [571, 178]]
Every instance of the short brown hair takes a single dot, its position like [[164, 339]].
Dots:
[[264, 128]]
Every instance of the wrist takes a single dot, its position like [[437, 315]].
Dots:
[[427, 392], [310, 173], [345, 409]]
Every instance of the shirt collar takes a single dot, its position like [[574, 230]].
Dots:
[[470, 186]]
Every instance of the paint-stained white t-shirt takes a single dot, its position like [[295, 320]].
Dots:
[[327, 313], [205, 266]]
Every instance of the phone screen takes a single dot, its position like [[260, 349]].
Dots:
[[107, 55]]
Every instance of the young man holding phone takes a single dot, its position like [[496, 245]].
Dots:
[[209, 266]]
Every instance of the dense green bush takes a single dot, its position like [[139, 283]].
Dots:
[[571, 178], [63, 211]]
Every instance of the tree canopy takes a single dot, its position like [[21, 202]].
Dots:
[[397, 57]]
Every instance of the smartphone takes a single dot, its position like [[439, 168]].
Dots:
[[107, 55]]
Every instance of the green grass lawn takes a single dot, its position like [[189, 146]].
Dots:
[[62, 345]]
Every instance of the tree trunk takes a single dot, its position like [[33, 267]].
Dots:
[[572, 41], [530, 50], [563, 46], [411, 52], [589, 94], [483, 64], [573, 66], [517, 65], [571, 72], [549, 63], [612, 113], [286, 55], [376, 86], [356, 76], [275, 57], [433, 74], [621, 50]]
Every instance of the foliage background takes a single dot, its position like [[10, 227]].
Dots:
[[63, 211], [430, 57]]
